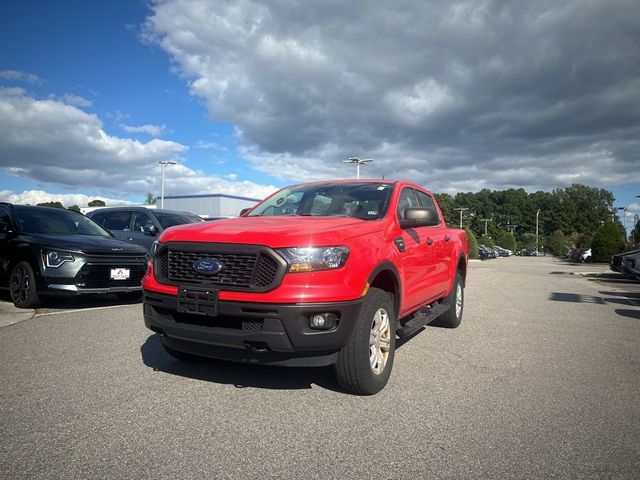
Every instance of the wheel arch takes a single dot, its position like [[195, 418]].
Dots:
[[386, 277]]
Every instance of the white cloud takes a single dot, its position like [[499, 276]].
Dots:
[[454, 94], [76, 100], [34, 197], [55, 143], [153, 130], [20, 76]]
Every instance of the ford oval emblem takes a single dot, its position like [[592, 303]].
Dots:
[[207, 266]]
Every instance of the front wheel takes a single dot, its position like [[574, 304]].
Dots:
[[364, 363], [452, 317], [22, 286]]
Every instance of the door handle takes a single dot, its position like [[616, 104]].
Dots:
[[429, 241], [446, 239]]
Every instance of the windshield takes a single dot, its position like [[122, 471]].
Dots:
[[364, 200], [56, 221], [172, 219]]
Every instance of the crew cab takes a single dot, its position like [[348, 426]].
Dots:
[[322, 273]]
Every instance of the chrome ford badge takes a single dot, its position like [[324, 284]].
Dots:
[[207, 266]]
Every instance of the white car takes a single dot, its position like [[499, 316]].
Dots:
[[585, 256]]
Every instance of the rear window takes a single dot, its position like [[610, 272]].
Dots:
[[171, 219]]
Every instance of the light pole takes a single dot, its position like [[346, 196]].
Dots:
[[163, 163], [461, 210], [537, 215], [624, 221], [486, 222], [358, 162]]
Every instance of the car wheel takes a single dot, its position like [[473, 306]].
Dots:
[[22, 286], [452, 317], [365, 362], [183, 356]]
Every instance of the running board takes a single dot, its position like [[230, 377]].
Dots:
[[420, 319]]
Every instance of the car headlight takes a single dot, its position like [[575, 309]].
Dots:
[[311, 259], [55, 258]]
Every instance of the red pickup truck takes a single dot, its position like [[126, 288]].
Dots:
[[322, 273]]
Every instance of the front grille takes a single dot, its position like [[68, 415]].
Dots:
[[93, 275], [245, 267]]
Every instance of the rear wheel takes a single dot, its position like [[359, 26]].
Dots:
[[364, 363], [452, 317], [22, 286]]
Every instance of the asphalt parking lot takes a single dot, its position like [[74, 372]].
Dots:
[[541, 380]]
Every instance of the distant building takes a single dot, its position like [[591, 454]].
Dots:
[[211, 205]]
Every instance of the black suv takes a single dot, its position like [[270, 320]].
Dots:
[[53, 251], [140, 225]]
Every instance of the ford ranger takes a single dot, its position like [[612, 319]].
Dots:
[[317, 274]]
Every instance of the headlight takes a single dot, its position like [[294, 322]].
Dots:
[[311, 259], [55, 258]]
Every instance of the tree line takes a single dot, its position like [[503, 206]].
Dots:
[[567, 217]]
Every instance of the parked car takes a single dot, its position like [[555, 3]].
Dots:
[[503, 252], [486, 253], [585, 255], [53, 251], [318, 274], [627, 263], [631, 265], [139, 224]]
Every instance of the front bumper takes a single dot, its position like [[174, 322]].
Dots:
[[92, 275], [276, 334]]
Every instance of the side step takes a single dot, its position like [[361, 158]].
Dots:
[[420, 319]]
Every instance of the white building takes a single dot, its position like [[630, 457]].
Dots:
[[210, 205]]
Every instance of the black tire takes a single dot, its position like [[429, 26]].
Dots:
[[182, 356], [364, 368], [22, 286], [452, 317]]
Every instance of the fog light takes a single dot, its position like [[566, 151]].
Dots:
[[323, 321]]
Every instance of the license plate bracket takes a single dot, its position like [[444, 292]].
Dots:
[[198, 301]]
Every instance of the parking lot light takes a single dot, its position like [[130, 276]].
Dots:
[[163, 163]]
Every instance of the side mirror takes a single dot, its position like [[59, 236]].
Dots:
[[243, 211], [419, 217]]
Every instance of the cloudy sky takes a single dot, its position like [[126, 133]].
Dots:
[[248, 96]]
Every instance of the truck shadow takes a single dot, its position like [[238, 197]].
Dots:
[[237, 374]]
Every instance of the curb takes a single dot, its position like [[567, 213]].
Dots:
[[10, 315]]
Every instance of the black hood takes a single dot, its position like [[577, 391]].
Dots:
[[89, 244]]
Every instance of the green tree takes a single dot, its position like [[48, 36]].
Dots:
[[635, 233], [557, 243], [96, 203], [487, 241], [607, 241], [151, 200], [75, 208], [473, 244], [51, 204]]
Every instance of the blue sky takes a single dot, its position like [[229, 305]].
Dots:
[[250, 96]]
